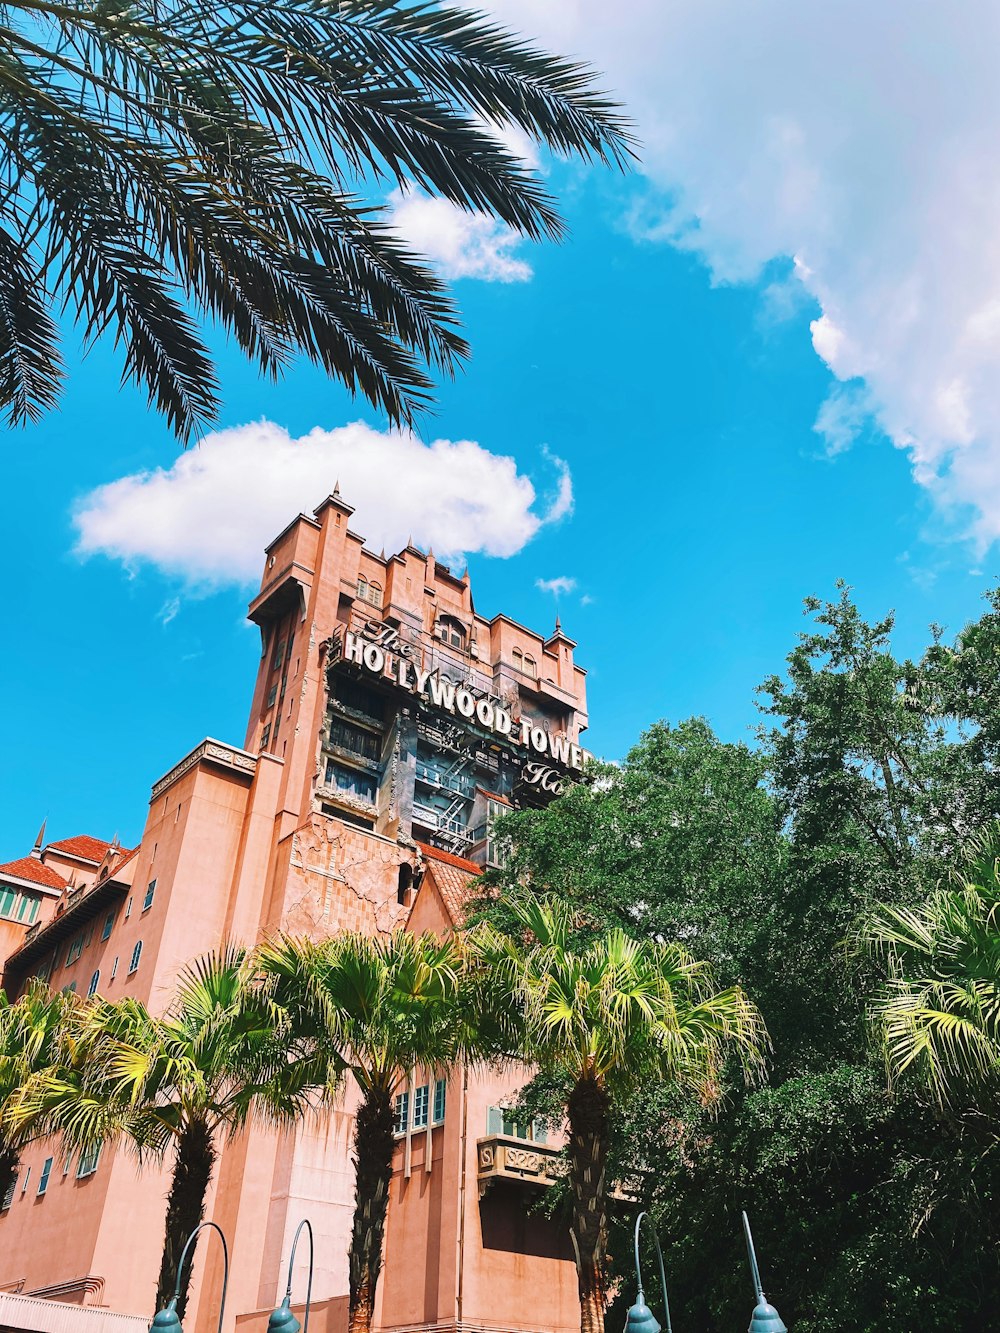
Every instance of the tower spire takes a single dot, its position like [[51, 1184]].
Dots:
[[36, 851]]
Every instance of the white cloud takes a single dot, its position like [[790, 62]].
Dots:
[[858, 138], [169, 611], [208, 517], [460, 244], [561, 504], [558, 586], [843, 415]]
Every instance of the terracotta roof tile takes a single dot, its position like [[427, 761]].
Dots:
[[453, 876], [31, 869], [436, 854], [83, 846]]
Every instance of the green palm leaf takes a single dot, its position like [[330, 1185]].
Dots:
[[166, 161]]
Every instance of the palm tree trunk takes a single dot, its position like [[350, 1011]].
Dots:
[[194, 1163], [373, 1145], [8, 1169], [588, 1109]]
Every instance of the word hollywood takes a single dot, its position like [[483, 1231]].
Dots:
[[459, 700]]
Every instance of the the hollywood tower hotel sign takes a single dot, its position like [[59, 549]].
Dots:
[[545, 758]]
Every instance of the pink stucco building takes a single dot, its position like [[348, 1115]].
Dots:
[[389, 723]]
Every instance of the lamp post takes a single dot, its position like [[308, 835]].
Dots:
[[765, 1318], [166, 1320], [640, 1317], [281, 1319]]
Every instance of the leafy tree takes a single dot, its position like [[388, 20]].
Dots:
[[171, 1083], [939, 1009], [374, 1008], [161, 157], [29, 1031], [605, 1019], [681, 841]]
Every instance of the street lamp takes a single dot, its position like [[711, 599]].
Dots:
[[281, 1320], [167, 1319], [640, 1316], [765, 1317]]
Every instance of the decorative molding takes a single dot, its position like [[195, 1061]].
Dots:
[[215, 752]]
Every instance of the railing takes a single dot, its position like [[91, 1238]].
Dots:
[[503, 1157]]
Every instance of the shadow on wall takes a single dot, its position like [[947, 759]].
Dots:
[[508, 1224]]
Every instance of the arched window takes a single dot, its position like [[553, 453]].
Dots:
[[369, 591], [405, 884], [530, 666], [451, 631], [94, 983], [518, 657], [136, 955]]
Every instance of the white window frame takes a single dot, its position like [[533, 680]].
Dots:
[[43, 1180]]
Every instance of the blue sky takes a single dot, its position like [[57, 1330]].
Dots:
[[681, 396]]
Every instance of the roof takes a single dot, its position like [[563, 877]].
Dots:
[[449, 858], [32, 870], [453, 876], [83, 846]]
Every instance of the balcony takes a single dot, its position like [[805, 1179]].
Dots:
[[503, 1157]]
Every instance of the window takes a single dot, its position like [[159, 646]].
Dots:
[[95, 981], [350, 780], [147, 902], [8, 1198], [272, 694], [404, 883], [109, 925], [74, 951], [349, 737], [401, 1110], [279, 654], [88, 1162], [530, 666], [44, 972], [136, 955], [518, 658], [451, 631], [359, 699], [70, 989], [501, 1121], [17, 906], [114, 968], [43, 1183], [24, 1182], [128, 905], [370, 592], [421, 1106], [265, 736], [440, 1092]]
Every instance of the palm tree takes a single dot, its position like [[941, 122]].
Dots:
[[605, 1019], [163, 159], [376, 1008], [938, 1011], [29, 1032], [172, 1082]]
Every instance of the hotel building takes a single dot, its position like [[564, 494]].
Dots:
[[390, 722]]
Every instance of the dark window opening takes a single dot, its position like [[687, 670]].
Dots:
[[405, 884]]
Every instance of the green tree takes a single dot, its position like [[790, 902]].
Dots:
[[938, 1011], [376, 1009], [171, 1084], [605, 1020], [30, 1029], [163, 158], [682, 840]]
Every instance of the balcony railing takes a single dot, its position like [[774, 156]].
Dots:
[[503, 1157]]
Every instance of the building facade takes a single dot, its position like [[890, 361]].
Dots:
[[390, 723]]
